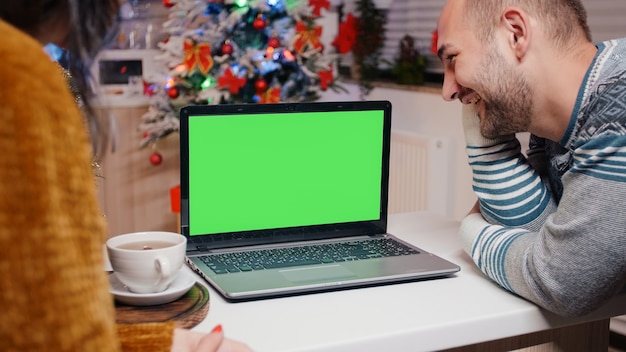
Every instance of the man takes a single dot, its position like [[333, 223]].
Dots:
[[549, 226]]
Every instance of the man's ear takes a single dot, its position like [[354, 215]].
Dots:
[[516, 25]]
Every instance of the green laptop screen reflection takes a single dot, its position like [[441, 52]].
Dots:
[[267, 171]]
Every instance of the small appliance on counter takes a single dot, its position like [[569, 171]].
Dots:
[[119, 76]]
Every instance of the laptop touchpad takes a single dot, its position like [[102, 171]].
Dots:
[[318, 273]]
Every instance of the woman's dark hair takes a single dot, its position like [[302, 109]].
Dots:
[[92, 25]]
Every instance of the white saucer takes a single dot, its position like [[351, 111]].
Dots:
[[183, 283]]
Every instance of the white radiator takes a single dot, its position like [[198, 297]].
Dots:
[[419, 173]]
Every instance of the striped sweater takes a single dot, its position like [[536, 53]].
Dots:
[[553, 224]]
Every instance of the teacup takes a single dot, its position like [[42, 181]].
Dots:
[[147, 262]]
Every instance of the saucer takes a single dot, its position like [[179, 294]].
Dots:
[[181, 284]]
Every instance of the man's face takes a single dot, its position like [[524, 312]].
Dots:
[[480, 74]]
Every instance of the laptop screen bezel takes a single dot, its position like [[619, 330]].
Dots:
[[243, 238]]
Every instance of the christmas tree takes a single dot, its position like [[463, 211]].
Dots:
[[237, 51]]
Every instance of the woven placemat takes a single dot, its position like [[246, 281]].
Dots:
[[187, 311]]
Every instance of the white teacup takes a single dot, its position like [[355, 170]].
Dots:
[[147, 262]]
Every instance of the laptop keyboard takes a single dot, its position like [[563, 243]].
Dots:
[[305, 255]]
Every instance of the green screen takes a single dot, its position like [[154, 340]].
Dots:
[[268, 171]]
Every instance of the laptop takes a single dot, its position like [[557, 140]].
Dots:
[[291, 198]]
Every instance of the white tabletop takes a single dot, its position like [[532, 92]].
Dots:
[[421, 316]]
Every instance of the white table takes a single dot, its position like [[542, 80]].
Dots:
[[466, 309]]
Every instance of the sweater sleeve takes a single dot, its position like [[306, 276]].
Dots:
[[576, 260], [55, 293], [509, 190]]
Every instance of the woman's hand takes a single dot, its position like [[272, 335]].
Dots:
[[189, 341]]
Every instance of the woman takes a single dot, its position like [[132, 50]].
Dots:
[[54, 292]]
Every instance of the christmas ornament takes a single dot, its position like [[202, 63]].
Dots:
[[260, 85], [318, 5], [148, 88], [173, 92], [168, 3], [156, 158], [231, 81], [326, 77], [270, 96], [306, 36], [273, 42], [347, 35], [259, 23], [226, 48], [197, 56]]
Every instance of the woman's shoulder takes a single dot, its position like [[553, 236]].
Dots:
[[25, 64]]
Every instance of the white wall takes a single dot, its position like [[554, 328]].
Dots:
[[427, 113], [606, 18]]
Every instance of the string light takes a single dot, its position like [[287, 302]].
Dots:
[[208, 83]]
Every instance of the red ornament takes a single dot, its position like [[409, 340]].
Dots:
[[173, 92], [347, 35], [326, 77], [156, 158], [318, 5], [272, 95], [168, 3], [260, 86], [273, 42], [227, 48], [231, 81], [259, 23]]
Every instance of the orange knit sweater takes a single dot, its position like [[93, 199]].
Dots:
[[53, 290]]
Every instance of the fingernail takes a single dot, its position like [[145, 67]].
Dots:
[[217, 328]]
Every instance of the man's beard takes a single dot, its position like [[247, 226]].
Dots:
[[506, 96]]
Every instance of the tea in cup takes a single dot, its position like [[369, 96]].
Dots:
[[147, 262]]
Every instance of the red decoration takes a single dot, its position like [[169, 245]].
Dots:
[[197, 56], [259, 23], [175, 199], [270, 96], [173, 92], [346, 36], [168, 3], [156, 158], [273, 42], [433, 42], [326, 77], [227, 48], [306, 36], [232, 81], [148, 88], [260, 85], [318, 5]]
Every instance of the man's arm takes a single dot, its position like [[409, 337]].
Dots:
[[509, 190], [573, 264], [568, 260]]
